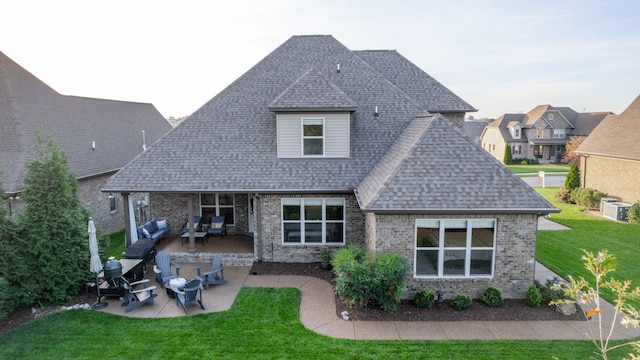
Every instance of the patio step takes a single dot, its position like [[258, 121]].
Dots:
[[230, 259]]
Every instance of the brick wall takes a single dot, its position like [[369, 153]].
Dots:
[[616, 177], [514, 254], [272, 247]]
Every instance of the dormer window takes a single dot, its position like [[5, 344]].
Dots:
[[516, 133], [312, 136]]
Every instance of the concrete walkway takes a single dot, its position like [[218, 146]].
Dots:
[[318, 311]]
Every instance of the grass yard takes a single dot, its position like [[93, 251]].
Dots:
[[561, 251], [252, 329], [115, 245], [534, 169]]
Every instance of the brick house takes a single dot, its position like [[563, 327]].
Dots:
[[98, 136], [540, 134], [321, 146], [610, 156]]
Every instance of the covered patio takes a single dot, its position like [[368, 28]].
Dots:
[[237, 249]]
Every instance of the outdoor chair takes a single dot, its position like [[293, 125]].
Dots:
[[192, 293], [136, 298], [197, 225], [218, 226], [215, 275], [162, 268]]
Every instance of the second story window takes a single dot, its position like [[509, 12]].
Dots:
[[558, 133], [312, 137]]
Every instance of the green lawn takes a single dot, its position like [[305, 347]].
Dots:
[[534, 169], [561, 250], [252, 329], [257, 329], [115, 245]]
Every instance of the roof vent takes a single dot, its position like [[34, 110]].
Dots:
[[376, 113], [338, 69]]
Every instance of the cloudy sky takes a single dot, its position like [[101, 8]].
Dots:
[[500, 56]]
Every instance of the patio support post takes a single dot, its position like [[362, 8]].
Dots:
[[127, 220], [192, 239]]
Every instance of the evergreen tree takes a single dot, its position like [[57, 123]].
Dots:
[[508, 157], [7, 236], [573, 177], [52, 241]]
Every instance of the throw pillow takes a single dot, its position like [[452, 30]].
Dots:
[[162, 224], [216, 225], [146, 233]]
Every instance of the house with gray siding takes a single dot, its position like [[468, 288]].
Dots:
[[321, 146], [98, 136]]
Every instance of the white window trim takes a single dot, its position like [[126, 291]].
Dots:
[[441, 250], [559, 133], [323, 138], [302, 222]]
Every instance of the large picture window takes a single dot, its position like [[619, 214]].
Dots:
[[313, 137], [313, 221], [454, 247]]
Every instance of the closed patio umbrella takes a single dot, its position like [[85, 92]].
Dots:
[[95, 263]]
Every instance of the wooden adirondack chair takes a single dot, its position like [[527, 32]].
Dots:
[[215, 275]]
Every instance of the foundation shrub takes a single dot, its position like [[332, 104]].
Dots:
[[492, 296], [424, 299], [534, 297], [461, 301]]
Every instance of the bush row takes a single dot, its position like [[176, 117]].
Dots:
[[491, 296], [587, 197]]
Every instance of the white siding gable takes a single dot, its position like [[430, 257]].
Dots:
[[336, 134]]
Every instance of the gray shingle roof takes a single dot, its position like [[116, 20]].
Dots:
[[419, 174], [314, 92], [229, 144], [617, 135], [27, 106]]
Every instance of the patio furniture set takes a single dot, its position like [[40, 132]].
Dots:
[[201, 231], [183, 290]]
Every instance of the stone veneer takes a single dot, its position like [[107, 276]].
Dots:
[[514, 253], [270, 240]]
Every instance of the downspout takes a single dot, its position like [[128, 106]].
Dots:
[[258, 233]]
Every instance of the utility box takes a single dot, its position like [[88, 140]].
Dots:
[[606, 200], [616, 210]]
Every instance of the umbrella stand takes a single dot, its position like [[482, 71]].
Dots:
[[100, 304]]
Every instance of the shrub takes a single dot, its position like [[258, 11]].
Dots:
[[563, 195], [634, 213], [5, 299], [424, 299], [508, 156], [587, 197], [492, 296], [461, 301], [524, 162], [552, 291], [362, 279], [534, 297]]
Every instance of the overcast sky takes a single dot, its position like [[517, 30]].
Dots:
[[500, 56]]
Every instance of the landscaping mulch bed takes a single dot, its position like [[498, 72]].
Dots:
[[511, 310]]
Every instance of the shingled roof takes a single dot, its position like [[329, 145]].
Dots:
[[229, 144], [28, 106], [617, 136]]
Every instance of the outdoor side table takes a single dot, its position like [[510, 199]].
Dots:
[[175, 285]]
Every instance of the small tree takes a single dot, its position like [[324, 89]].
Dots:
[[573, 177], [570, 155], [508, 157], [52, 245], [588, 296]]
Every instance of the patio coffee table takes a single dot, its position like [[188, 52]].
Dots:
[[198, 235]]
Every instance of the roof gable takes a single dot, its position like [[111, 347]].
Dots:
[[616, 136], [432, 169], [313, 92]]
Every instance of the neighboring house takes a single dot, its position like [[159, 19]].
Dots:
[[98, 136], [473, 128], [610, 156], [540, 134], [318, 145]]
